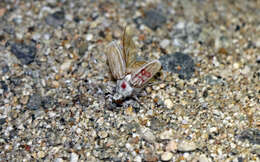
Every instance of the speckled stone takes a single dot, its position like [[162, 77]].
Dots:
[[35, 102], [153, 19], [56, 19], [25, 53], [252, 135], [179, 63]]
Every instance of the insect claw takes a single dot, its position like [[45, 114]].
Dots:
[[143, 94]]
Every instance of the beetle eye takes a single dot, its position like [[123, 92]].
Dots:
[[123, 85]]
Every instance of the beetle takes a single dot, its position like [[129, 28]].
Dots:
[[131, 75]]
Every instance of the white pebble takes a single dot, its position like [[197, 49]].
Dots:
[[79, 131], [51, 1], [258, 43], [59, 160], [69, 17], [66, 65], [19, 35], [213, 129], [168, 134], [138, 159], [186, 146], [168, 103], [166, 156], [203, 158], [148, 135], [164, 43], [89, 37], [52, 114], [103, 134], [129, 146], [46, 36], [40, 154], [236, 65], [36, 36], [74, 157], [171, 146]]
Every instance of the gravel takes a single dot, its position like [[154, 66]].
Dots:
[[56, 86], [153, 19]]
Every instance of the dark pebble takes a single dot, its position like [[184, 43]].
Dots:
[[35, 102], [15, 81], [83, 48], [25, 53], [56, 19], [252, 135], [77, 19], [153, 19], [2, 37], [258, 60], [4, 68], [48, 102], [2, 121], [3, 86], [240, 159], [9, 30], [179, 63], [31, 29]]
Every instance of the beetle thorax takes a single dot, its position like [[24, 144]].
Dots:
[[123, 88]]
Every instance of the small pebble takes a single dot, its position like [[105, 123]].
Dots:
[[2, 11], [166, 156], [203, 158], [151, 158], [257, 42], [179, 63], [164, 43], [58, 160], [25, 53], [138, 159], [258, 60], [186, 146], [74, 157], [171, 146], [40, 154], [56, 19], [251, 134], [89, 37], [35, 102], [148, 135], [168, 134], [168, 103], [256, 150], [2, 121], [46, 36], [153, 19], [66, 65], [36, 36], [103, 134], [236, 65]]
